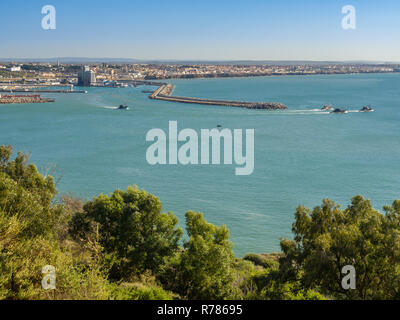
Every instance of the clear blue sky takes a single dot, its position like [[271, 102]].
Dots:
[[206, 29]]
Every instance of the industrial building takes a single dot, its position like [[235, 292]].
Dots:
[[86, 77]]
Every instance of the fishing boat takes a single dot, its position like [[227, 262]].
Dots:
[[337, 110], [327, 108], [367, 109], [123, 107]]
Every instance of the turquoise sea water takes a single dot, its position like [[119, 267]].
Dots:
[[301, 156]]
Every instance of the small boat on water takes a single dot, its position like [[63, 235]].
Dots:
[[367, 109], [337, 110], [219, 126], [327, 108], [123, 107]]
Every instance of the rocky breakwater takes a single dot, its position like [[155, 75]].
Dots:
[[20, 99], [266, 105], [165, 90]]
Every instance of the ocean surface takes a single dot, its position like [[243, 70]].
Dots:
[[301, 155]]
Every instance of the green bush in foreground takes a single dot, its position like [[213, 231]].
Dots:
[[329, 238], [206, 265], [122, 247], [132, 291], [134, 233], [30, 239]]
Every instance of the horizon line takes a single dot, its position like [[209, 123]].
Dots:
[[105, 59]]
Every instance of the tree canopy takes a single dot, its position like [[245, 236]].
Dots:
[[131, 228], [329, 238], [122, 246]]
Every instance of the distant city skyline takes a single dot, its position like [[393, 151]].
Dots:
[[252, 30]]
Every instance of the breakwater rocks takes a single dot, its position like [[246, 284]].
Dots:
[[240, 104], [165, 90], [14, 99]]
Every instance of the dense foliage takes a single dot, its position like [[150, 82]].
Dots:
[[122, 246], [133, 232], [328, 238]]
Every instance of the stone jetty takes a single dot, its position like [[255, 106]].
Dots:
[[19, 99], [165, 90]]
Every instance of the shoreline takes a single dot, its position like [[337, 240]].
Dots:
[[233, 76]]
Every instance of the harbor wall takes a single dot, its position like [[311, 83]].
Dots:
[[165, 90], [20, 99]]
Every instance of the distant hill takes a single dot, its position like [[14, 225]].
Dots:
[[72, 60], [86, 60]]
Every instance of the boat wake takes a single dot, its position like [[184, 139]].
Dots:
[[307, 111], [317, 111]]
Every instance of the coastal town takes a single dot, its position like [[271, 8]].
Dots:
[[107, 74], [39, 78]]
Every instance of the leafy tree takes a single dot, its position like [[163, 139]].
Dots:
[[29, 238], [27, 175], [328, 238], [132, 230], [206, 265]]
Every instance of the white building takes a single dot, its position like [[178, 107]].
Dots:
[[14, 69]]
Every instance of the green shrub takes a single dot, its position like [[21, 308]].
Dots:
[[134, 291]]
